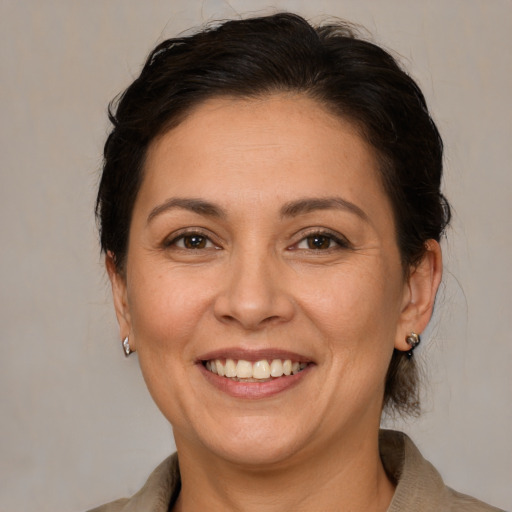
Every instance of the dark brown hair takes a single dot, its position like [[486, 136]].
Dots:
[[352, 77]]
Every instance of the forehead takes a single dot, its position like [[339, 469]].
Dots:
[[278, 146]]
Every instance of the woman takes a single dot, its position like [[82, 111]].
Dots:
[[270, 210]]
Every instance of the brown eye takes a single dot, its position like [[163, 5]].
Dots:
[[316, 242], [194, 241], [322, 241]]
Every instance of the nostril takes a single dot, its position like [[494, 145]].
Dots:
[[254, 323], [270, 319]]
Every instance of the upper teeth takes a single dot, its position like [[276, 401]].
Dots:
[[263, 369]]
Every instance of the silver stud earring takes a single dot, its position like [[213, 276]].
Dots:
[[413, 340], [126, 347]]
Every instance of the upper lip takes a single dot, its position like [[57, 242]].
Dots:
[[238, 353]]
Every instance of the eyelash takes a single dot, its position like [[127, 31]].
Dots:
[[341, 242], [189, 235]]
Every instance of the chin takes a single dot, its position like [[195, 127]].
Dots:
[[255, 441], [257, 453]]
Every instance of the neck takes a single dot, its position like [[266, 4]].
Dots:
[[348, 476]]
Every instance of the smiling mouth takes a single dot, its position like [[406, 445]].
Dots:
[[240, 370]]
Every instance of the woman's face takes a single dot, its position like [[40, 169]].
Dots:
[[262, 234]]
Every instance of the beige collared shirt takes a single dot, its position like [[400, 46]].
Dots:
[[419, 488]]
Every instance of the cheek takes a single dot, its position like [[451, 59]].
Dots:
[[360, 315], [165, 307], [357, 309], [353, 294]]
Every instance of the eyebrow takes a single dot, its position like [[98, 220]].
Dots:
[[198, 206], [291, 209], [307, 205]]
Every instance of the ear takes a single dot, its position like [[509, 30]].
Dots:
[[420, 294], [120, 296]]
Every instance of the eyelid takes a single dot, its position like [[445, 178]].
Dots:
[[341, 240], [170, 240]]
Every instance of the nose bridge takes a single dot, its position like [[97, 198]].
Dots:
[[255, 293]]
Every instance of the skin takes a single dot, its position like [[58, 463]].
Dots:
[[255, 283]]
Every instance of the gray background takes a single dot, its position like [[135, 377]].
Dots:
[[77, 426]]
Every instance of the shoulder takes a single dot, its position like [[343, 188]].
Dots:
[[161, 488], [461, 502], [113, 506], [419, 486]]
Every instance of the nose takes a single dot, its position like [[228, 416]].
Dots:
[[255, 294]]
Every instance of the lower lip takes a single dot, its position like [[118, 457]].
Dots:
[[254, 390]]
